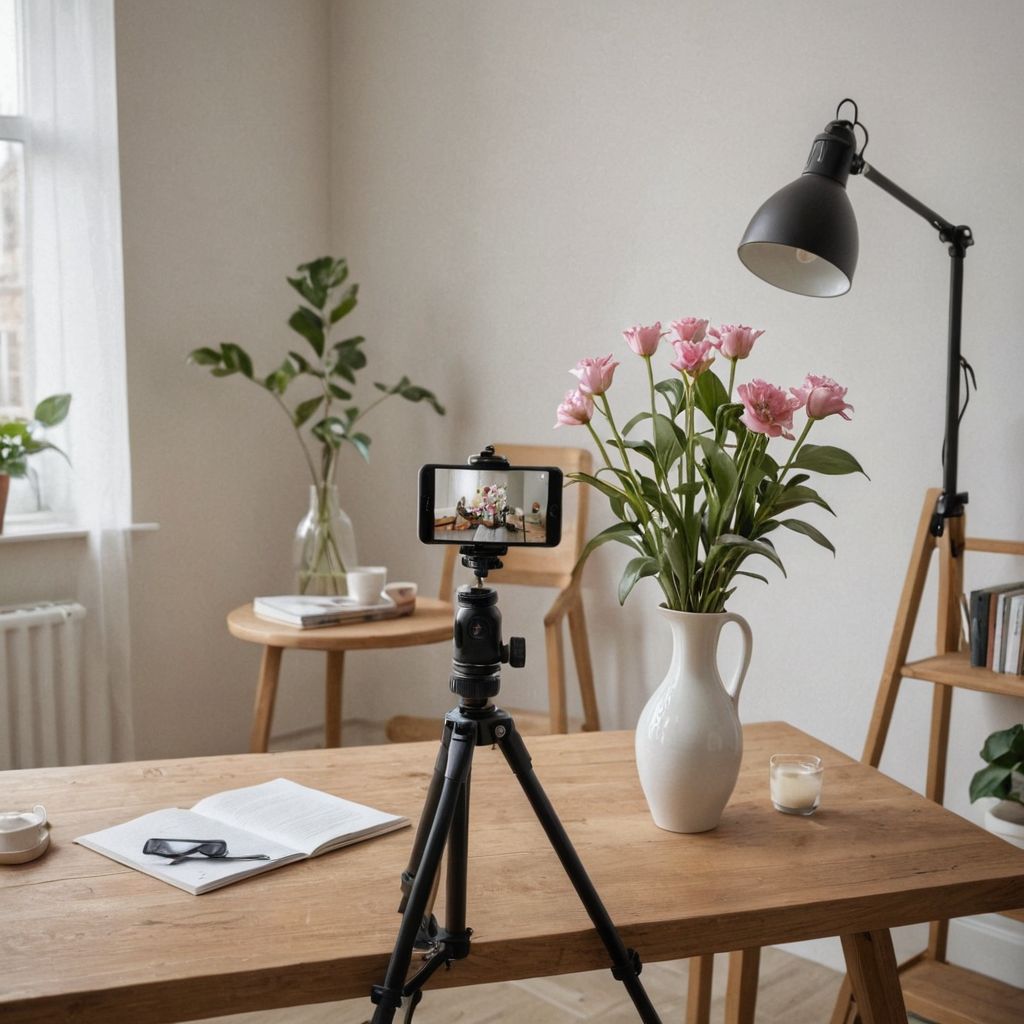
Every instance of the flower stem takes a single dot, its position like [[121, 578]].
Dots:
[[732, 376], [799, 441], [600, 445]]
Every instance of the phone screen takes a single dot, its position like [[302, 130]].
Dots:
[[467, 505]]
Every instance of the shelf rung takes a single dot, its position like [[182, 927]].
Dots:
[[948, 994]]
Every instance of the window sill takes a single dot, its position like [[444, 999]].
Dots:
[[26, 532]]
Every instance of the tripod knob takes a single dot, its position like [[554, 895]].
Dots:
[[516, 651]]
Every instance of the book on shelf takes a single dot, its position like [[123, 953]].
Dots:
[[307, 611], [993, 643], [1014, 652], [280, 821]]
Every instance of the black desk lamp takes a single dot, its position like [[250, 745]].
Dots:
[[804, 240]]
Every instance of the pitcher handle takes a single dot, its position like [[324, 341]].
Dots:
[[736, 684]]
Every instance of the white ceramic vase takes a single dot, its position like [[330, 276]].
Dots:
[[1006, 820], [688, 739]]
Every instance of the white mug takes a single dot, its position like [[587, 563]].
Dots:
[[365, 583], [401, 592], [22, 830]]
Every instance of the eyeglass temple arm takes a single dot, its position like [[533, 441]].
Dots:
[[959, 238]]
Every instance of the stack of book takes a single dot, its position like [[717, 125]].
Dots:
[[997, 628]]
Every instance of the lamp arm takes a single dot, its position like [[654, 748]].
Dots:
[[960, 238]]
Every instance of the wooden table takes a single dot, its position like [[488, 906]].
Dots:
[[431, 623], [86, 939]]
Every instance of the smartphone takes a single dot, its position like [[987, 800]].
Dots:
[[520, 506]]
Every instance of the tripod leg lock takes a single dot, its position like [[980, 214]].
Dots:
[[630, 969]]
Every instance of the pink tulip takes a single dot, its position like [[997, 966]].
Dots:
[[690, 328], [644, 340], [767, 409], [595, 375], [692, 357], [822, 396], [734, 341], [576, 410]]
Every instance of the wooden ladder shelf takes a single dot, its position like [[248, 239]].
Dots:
[[932, 987]]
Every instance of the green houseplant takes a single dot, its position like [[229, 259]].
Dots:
[[325, 416], [19, 439], [1003, 778]]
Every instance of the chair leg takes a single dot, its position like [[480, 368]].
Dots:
[[332, 698], [266, 692], [556, 677], [741, 994], [698, 993], [584, 668], [845, 1011]]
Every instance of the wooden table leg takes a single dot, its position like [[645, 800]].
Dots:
[[845, 1011], [741, 994], [332, 701], [698, 993], [871, 965], [266, 692]]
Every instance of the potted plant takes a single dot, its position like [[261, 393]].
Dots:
[[1003, 778], [325, 417], [696, 495], [19, 439]]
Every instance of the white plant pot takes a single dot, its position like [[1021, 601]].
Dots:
[[1006, 820], [688, 740]]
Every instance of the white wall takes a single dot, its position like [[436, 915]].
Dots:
[[224, 157], [531, 178]]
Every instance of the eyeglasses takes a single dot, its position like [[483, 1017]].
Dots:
[[194, 849]]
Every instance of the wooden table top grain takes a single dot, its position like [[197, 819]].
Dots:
[[86, 939]]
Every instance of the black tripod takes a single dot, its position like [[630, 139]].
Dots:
[[478, 654]]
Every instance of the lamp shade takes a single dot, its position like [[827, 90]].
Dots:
[[804, 238]]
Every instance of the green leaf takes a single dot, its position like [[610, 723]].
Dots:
[[754, 547], [340, 393], [278, 381], [752, 575], [315, 295], [991, 781], [301, 363], [330, 430], [826, 459], [1005, 747], [204, 357], [319, 270], [348, 357], [236, 359], [709, 393], [644, 448], [304, 410], [51, 411], [666, 443], [415, 393], [675, 391], [623, 533], [362, 445], [638, 418], [347, 303], [307, 323], [635, 571], [791, 497], [799, 526]]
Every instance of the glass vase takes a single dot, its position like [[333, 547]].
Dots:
[[325, 544]]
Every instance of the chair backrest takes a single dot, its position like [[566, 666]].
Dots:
[[540, 567]]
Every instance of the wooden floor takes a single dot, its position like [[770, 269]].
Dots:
[[792, 991]]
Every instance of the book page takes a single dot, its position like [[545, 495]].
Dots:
[[297, 816], [124, 843]]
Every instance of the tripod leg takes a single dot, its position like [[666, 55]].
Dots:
[[388, 997], [625, 962]]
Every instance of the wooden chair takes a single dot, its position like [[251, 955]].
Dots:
[[540, 567]]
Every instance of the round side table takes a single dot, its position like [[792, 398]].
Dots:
[[431, 623]]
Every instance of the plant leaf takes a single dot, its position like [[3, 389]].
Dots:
[[348, 302], [636, 570], [709, 393], [305, 409], [362, 445], [675, 391], [315, 295], [1007, 743], [824, 458], [638, 418], [236, 359], [991, 781], [623, 533], [51, 411], [204, 357], [307, 323], [755, 547], [799, 526]]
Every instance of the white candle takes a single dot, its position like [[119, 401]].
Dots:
[[795, 783]]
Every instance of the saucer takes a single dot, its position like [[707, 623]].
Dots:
[[24, 856]]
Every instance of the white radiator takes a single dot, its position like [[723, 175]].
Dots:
[[41, 685]]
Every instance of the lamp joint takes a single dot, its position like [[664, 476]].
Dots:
[[960, 239]]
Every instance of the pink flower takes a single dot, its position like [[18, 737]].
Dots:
[[767, 409], [690, 328], [734, 341], [644, 340], [576, 410], [692, 357], [595, 375], [822, 396]]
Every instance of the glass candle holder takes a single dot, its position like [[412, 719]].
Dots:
[[794, 782]]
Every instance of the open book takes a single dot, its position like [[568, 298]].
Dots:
[[281, 820]]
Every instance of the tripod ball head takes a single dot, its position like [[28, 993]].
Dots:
[[477, 648]]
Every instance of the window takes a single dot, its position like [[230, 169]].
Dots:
[[15, 397]]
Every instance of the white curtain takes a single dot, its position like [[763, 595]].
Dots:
[[77, 323]]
